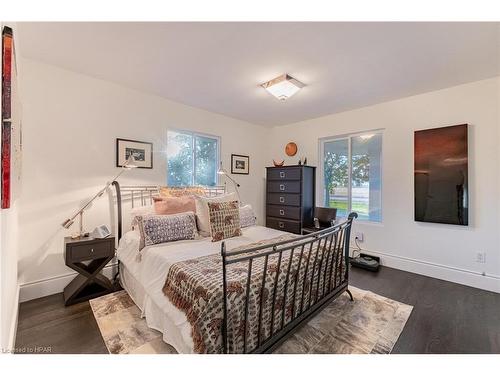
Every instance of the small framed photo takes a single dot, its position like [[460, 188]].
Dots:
[[240, 164], [141, 151]]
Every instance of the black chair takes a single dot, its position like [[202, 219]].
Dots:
[[326, 217]]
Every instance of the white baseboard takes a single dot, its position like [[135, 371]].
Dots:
[[439, 271], [13, 324], [54, 285]]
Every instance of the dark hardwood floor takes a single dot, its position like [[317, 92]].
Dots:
[[447, 317], [47, 323]]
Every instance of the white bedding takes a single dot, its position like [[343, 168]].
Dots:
[[150, 268]]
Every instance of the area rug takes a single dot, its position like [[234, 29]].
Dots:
[[370, 324]]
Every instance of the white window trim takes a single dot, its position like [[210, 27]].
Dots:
[[321, 185], [194, 134]]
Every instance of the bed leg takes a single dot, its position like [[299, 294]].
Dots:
[[116, 278], [350, 294]]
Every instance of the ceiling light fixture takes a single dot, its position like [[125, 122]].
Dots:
[[283, 87]]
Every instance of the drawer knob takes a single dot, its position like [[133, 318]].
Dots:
[[282, 174], [282, 199], [282, 187], [282, 212], [92, 250], [281, 224]]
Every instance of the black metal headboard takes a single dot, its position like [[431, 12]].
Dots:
[[118, 207], [142, 195]]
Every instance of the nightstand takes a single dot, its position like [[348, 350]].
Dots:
[[88, 256]]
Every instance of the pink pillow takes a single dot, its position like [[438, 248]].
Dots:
[[174, 205]]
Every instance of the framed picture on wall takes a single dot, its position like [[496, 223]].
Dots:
[[441, 175], [141, 151], [240, 164]]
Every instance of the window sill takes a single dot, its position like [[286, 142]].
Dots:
[[364, 222]]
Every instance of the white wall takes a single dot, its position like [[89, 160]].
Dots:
[[9, 291], [431, 249], [71, 123]]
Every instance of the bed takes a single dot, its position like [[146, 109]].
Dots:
[[244, 294]]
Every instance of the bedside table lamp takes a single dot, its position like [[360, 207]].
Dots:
[[221, 171], [129, 164]]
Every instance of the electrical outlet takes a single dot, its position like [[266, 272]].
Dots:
[[359, 236], [481, 257]]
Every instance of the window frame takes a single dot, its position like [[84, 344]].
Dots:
[[195, 134], [321, 185]]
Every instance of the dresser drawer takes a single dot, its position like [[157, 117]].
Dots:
[[283, 186], [285, 225], [283, 199], [283, 174], [78, 253], [287, 212]]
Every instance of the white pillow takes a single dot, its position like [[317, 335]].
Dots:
[[202, 215], [247, 216]]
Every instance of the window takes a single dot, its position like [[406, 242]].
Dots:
[[192, 158], [352, 175]]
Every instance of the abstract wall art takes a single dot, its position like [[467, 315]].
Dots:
[[441, 175], [7, 51]]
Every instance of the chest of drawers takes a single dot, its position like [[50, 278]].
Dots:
[[290, 197]]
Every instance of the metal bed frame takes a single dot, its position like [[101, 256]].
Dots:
[[332, 246]]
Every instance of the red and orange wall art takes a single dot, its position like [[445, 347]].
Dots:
[[7, 49]]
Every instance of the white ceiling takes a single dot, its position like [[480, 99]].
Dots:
[[219, 66]]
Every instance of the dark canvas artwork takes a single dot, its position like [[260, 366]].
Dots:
[[441, 175]]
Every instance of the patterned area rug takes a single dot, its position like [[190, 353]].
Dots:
[[370, 324]]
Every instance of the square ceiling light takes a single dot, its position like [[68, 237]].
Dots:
[[283, 87]]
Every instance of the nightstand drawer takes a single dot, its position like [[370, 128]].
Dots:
[[96, 250]]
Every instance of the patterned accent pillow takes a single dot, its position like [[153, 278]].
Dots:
[[180, 191], [247, 216], [155, 229], [224, 220], [139, 211], [202, 214]]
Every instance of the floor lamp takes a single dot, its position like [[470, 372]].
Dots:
[[224, 173]]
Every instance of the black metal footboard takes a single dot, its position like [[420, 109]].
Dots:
[[270, 290]]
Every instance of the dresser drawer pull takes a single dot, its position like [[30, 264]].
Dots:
[[282, 187], [282, 174], [282, 212], [282, 199], [92, 250], [281, 224]]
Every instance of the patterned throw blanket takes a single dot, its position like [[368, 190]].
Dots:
[[195, 287]]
